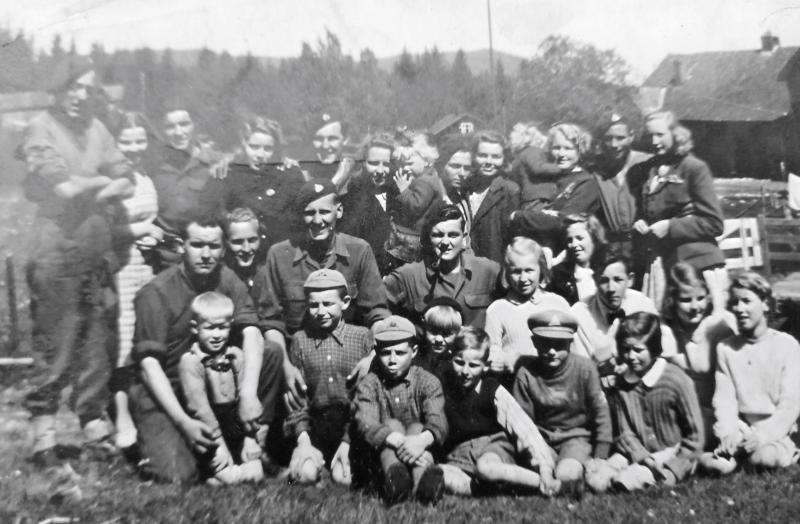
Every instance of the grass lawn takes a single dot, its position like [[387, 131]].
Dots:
[[109, 492]]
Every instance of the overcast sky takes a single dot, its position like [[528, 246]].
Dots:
[[642, 31]]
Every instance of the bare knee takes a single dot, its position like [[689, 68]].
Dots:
[[569, 470], [487, 466], [395, 426], [770, 456]]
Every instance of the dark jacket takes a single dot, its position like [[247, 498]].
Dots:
[[363, 215], [490, 222], [685, 196], [535, 176]]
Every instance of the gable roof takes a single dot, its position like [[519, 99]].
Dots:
[[448, 120], [725, 85]]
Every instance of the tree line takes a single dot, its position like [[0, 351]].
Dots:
[[565, 80]]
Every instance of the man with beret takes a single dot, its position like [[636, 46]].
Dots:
[[73, 171], [169, 437], [317, 245], [561, 392]]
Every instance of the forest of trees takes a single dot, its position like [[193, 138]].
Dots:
[[565, 81]]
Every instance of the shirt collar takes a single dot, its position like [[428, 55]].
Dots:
[[338, 248], [650, 378], [466, 268]]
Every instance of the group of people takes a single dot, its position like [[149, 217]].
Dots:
[[537, 312]]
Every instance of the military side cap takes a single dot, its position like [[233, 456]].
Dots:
[[553, 323], [325, 279], [314, 189], [393, 329]]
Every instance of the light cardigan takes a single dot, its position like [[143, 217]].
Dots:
[[507, 325], [758, 382]]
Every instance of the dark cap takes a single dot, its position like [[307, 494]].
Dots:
[[553, 323], [325, 279], [312, 190], [393, 329], [443, 301]]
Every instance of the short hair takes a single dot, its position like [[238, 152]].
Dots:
[[609, 256], [202, 220], [492, 137], [471, 337], [576, 135], [754, 282], [240, 214], [682, 274], [259, 124], [681, 135], [443, 213], [210, 304], [442, 317], [418, 141], [527, 246], [381, 139], [132, 120], [642, 326]]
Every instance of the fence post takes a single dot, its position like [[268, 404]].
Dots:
[[13, 336]]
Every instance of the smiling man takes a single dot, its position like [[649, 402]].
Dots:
[[599, 316], [169, 436], [318, 245]]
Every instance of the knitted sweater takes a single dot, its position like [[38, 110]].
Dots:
[[566, 403], [759, 382], [659, 411]]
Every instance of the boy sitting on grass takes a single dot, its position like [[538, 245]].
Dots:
[[561, 392], [210, 374], [325, 352], [658, 422], [399, 416], [757, 396], [478, 446], [441, 322]]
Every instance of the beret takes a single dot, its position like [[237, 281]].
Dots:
[[393, 329], [312, 190], [325, 279], [553, 323]]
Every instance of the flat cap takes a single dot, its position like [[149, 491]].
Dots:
[[553, 323], [312, 190], [325, 279], [393, 329]]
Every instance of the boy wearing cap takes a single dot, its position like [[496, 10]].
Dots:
[[399, 416], [210, 375], [561, 392], [325, 352]]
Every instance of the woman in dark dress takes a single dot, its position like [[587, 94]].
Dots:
[[259, 179]]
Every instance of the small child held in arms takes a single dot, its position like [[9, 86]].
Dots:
[[757, 396], [659, 426], [526, 273], [561, 392], [483, 418], [399, 417], [325, 352], [210, 374], [441, 322]]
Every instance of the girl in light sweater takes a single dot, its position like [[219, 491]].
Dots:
[[757, 395]]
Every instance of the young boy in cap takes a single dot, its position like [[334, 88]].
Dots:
[[325, 352], [561, 392], [210, 374], [399, 416], [481, 415]]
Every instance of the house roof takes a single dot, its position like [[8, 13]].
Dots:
[[448, 120], [725, 85]]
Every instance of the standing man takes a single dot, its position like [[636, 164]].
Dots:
[[618, 204], [169, 437], [318, 245], [74, 168]]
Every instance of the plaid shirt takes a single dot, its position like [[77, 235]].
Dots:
[[416, 398], [326, 359]]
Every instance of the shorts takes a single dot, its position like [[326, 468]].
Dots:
[[465, 455], [578, 448]]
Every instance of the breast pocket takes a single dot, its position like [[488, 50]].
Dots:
[[476, 301]]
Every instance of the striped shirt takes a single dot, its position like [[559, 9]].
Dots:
[[657, 412], [326, 360], [416, 398]]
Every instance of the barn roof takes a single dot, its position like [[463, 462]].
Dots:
[[725, 85]]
